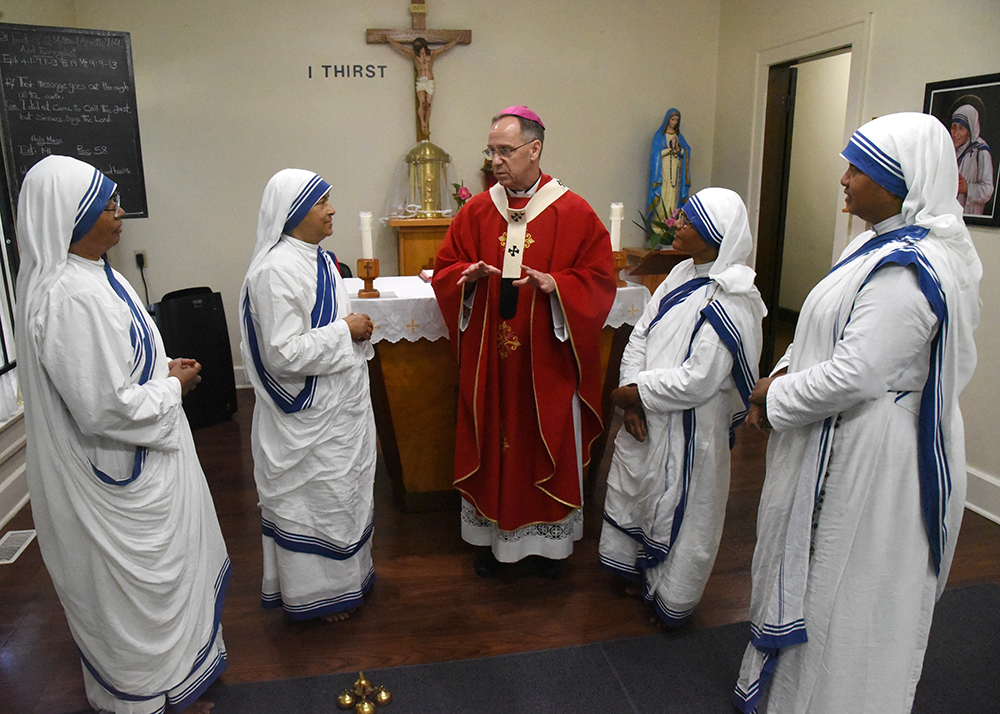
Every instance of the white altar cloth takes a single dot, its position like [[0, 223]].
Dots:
[[407, 310]]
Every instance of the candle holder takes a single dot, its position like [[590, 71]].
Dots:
[[364, 697], [621, 261], [368, 271]]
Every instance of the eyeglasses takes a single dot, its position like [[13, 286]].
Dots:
[[114, 203], [681, 220], [505, 152]]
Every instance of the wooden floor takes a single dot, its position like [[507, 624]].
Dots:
[[426, 606]]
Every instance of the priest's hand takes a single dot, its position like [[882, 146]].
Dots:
[[627, 396], [543, 281], [186, 372], [361, 326], [634, 422], [478, 271]]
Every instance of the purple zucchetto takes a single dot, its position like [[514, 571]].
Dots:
[[522, 111]]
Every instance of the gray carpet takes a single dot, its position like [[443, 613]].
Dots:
[[686, 672]]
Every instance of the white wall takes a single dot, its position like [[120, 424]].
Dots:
[[912, 42], [224, 101], [39, 12], [814, 194]]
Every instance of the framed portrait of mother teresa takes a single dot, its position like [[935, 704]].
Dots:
[[970, 109]]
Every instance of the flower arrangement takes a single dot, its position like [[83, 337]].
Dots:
[[461, 194], [659, 234]]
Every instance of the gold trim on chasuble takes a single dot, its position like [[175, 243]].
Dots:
[[475, 400], [585, 456]]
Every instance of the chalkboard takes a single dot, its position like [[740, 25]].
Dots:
[[71, 92]]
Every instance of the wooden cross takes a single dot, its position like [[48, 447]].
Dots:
[[424, 93]]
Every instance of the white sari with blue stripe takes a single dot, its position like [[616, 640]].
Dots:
[[859, 514], [143, 469], [694, 356], [313, 432], [125, 520]]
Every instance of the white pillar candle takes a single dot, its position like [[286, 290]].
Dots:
[[617, 214], [367, 252]]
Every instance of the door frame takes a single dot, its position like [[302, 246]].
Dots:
[[771, 140], [855, 35]]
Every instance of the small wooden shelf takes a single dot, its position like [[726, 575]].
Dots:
[[652, 266], [419, 240]]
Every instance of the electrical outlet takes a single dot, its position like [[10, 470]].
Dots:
[[140, 259]]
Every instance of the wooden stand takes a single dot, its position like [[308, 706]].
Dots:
[[650, 267], [419, 240], [621, 260], [368, 271]]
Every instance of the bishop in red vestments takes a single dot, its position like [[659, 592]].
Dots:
[[525, 280]]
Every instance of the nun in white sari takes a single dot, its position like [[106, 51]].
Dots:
[[975, 161], [313, 434], [866, 473], [686, 373], [125, 520]]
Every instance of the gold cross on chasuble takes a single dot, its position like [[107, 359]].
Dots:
[[527, 240]]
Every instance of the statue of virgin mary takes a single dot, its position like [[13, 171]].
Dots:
[[669, 176]]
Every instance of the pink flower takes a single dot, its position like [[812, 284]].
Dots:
[[464, 194], [671, 223]]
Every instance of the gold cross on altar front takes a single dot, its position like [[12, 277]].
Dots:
[[412, 327], [422, 55], [632, 310]]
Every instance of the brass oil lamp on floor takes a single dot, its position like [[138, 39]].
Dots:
[[364, 697]]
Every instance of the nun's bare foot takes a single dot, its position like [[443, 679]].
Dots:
[[666, 626], [338, 616]]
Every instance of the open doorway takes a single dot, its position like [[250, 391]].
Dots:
[[806, 110]]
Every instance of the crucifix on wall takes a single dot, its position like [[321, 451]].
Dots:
[[420, 52]]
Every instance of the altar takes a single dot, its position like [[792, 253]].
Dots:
[[414, 384]]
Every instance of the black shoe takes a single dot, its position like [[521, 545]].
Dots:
[[486, 565], [548, 568]]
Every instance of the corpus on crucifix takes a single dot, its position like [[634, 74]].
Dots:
[[420, 50], [426, 191], [423, 65]]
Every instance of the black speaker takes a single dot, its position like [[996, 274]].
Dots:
[[192, 323]]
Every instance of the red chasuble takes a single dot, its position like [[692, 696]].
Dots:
[[515, 451]]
